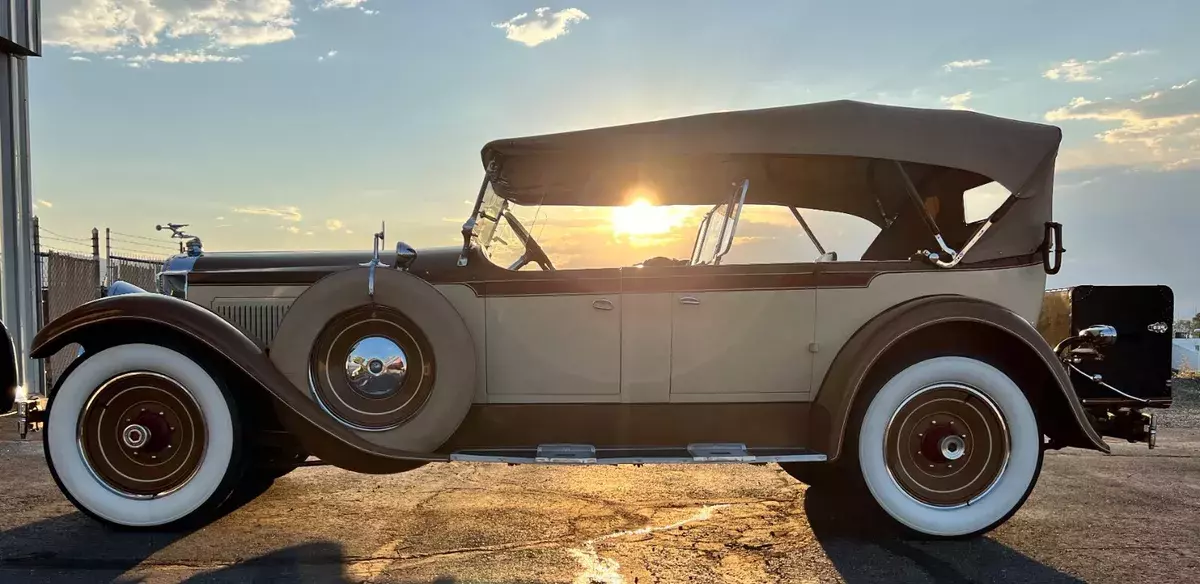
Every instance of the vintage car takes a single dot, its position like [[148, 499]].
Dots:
[[915, 372]]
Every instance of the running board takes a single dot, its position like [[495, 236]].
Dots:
[[586, 454]]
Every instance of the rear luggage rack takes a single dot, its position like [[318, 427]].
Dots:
[[586, 454]]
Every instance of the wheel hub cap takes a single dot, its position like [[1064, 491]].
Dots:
[[946, 445], [142, 434], [135, 436], [376, 366], [371, 368]]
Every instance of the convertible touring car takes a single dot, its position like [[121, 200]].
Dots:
[[919, 370]]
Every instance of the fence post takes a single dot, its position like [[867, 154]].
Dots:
[[96, 258], [108, 253], [37, 272]]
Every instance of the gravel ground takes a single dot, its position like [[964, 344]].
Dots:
[[1185, 410], [1126, 517]]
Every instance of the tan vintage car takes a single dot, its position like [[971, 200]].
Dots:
[[914, 371]]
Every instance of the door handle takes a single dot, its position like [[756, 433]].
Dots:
[[689, 300], [602, 304]]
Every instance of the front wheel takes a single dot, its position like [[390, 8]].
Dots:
[[142, 436], [949, 447]]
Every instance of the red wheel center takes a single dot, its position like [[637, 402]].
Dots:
[[160, 431], [931, 443]]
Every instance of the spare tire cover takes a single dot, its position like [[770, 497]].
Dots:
[[329, 319]]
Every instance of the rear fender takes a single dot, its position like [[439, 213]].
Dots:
[[847, 379], [109, 321]]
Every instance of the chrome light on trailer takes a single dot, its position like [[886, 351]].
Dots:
[[1101, 335]]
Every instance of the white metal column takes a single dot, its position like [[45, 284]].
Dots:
[[20, 38]]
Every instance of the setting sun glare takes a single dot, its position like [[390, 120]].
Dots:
[[641, 218]]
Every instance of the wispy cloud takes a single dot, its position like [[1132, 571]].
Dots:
[[344, 5], [966, 64], [957, 102], [79, 58], [44, 203], [327, 56], [1160, 129], [106, 26], [1074, 70], [333, 224], [285, 213], [178, 57], [543, 26], [290, 229]]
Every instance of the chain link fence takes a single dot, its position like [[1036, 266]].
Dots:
[[70, 280], [72, 272]]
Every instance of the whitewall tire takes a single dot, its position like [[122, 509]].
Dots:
[[142, 436], [949, 447]]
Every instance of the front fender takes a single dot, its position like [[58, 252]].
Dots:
[[845, 379], [107, 320]]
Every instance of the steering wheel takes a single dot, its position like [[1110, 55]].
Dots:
[[534, 253]]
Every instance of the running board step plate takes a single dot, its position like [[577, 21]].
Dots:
[[586, 454]]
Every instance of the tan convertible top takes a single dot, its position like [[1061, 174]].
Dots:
[[835, 156]]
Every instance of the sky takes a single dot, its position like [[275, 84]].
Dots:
[[302, 124]]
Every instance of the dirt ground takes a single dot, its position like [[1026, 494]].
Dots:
[[1126, 517]]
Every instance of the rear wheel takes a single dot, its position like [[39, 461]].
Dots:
[[142, 436], [949, 447]]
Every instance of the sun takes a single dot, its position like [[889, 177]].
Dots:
[[641, 218]]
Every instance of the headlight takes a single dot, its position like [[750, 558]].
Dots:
[[173, 284]]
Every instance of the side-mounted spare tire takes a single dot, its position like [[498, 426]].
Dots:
[[396, 367]]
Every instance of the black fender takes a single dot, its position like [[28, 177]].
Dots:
[[8, 372], [110, 321], [1017, 338]]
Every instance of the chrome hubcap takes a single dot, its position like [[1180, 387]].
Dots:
[[952, 447], [135, 435], [376, 367]]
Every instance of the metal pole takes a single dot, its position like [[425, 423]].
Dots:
[[96, 258], [108, 252]]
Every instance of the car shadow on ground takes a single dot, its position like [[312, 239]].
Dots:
[[865, 547]]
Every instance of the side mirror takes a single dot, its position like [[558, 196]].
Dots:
[[1101, 335], [405, 256]]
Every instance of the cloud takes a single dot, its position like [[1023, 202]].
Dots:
[[349, 232], [177, 57], [1073, 70], [957, 102], [333, 224], [220, 218], [1160, 129], [541, 27], [286, 213], [44, 203], [345, 4], [105, 26], [329, 55], [79, 58], [966, 64], [290, 229]]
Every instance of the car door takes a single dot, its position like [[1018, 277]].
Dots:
[[554, 337], [719, 333], [743, 333]]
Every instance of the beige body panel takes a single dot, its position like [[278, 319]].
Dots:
[[646, 347], [842, 311], [733, 346], [746, 345], [546, 348], [471, 307]]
